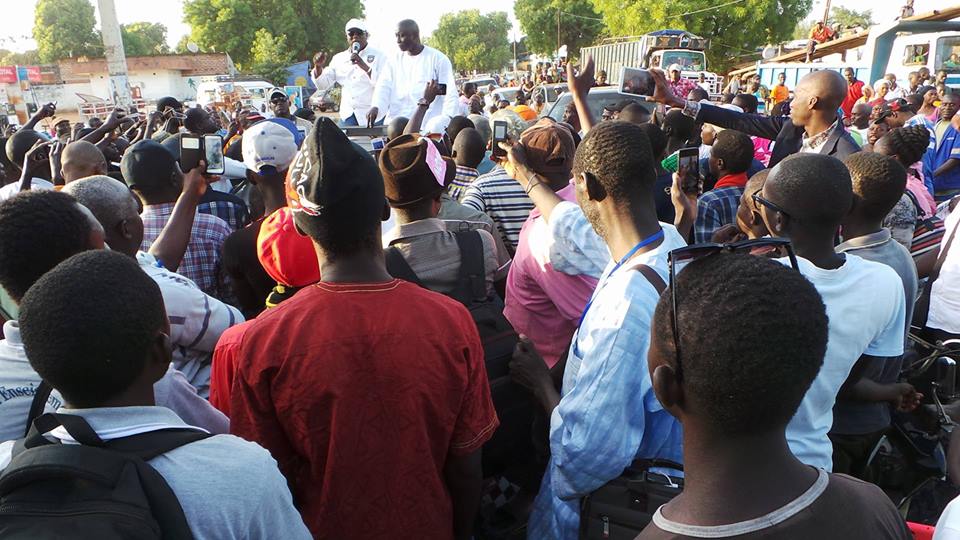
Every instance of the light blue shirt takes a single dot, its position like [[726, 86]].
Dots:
[[608, 414]]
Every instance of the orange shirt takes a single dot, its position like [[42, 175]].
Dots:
[[525, 112], [780, 93], [821, 35]]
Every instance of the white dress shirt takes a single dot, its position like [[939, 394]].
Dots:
[[401, 81], [357, 85]]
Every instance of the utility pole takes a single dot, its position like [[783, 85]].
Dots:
[[826, 13], [558, 31], [113, 51]]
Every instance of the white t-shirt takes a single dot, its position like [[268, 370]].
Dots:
[[948, 526], [401, 81], [357, 85], [13, 188], [866, 310], [945, 294]]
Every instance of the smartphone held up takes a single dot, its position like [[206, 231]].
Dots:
[[688, 167], [499, 136], [194, 149], [636, 82]]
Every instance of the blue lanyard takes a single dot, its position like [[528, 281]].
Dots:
[[643, 243]]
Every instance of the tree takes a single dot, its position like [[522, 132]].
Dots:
[[231, 25], [21, 59], [181, 47], [144, 39], [270, 56], [851, 17], [580, 24], [65, 29], [474, 41], [733, 30]]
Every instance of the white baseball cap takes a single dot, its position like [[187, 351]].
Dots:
[[675, 67], [270, 143], [355, 23]]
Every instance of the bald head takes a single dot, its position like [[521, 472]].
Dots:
[[114, 207], [396, 126], [469, 148], [408, 37], [828, 85], [82, 159], [815, 190]]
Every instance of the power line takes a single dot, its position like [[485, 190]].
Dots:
[[705, 9], [585, 17]]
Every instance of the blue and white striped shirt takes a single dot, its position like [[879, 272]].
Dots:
[[501, 198], [608, 414]]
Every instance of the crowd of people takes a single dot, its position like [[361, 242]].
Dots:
[[453, 336]]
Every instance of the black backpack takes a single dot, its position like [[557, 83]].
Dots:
[[512, 402], [95, 489]]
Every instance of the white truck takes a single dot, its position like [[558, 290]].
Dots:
[[658, 49]]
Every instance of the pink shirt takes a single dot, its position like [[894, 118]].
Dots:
[[542, 303], [920, 191]]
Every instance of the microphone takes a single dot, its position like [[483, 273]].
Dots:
[[355, 47]]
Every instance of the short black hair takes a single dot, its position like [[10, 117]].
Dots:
[[470, 147], [469, 85], [20, 143], [169, 101], [814, 188], [635, 113], [698, 94], [735, 148], [727, 97], [6, 163], [878, 183], [658, 140], [748, 102], [97, 348], [305, 113], [678, 125], [619, 156], [38, 230], [744, 378], [456, 125]]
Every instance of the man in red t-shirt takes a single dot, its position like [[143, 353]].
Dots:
[[854, 91], [370, 392]]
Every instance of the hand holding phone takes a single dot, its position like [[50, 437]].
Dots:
[[499, 136], [689, 170]]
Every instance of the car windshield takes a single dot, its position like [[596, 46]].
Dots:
[[948, 54], [688, 60], [508, 93], [596, 102]]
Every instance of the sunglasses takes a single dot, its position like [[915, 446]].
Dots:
[[680, 258], [759, 200], [354, 32]]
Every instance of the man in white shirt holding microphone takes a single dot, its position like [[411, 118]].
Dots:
[[402, 80], [356, 69]]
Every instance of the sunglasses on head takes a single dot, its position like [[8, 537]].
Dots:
[[759, 200], [680, 258]]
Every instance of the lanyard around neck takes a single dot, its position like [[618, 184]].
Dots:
[[641, 244]]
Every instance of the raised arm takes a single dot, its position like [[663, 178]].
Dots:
[[751, 124], [579, 86], [171, 244]]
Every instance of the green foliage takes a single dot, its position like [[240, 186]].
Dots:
[[733, 30], [231, 25], [22, 59], [579, 24], [851, 17], [473, 41], [181, 47], [65, 29], [270, 56], [144, 39]]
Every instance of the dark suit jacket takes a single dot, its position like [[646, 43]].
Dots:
[[788, 137]]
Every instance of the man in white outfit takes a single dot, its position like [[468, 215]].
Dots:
[[356, 70], [401, 81]]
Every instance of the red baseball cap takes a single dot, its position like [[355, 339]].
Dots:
[[286, 255]]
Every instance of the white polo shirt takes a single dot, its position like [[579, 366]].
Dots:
[[945, 294]]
